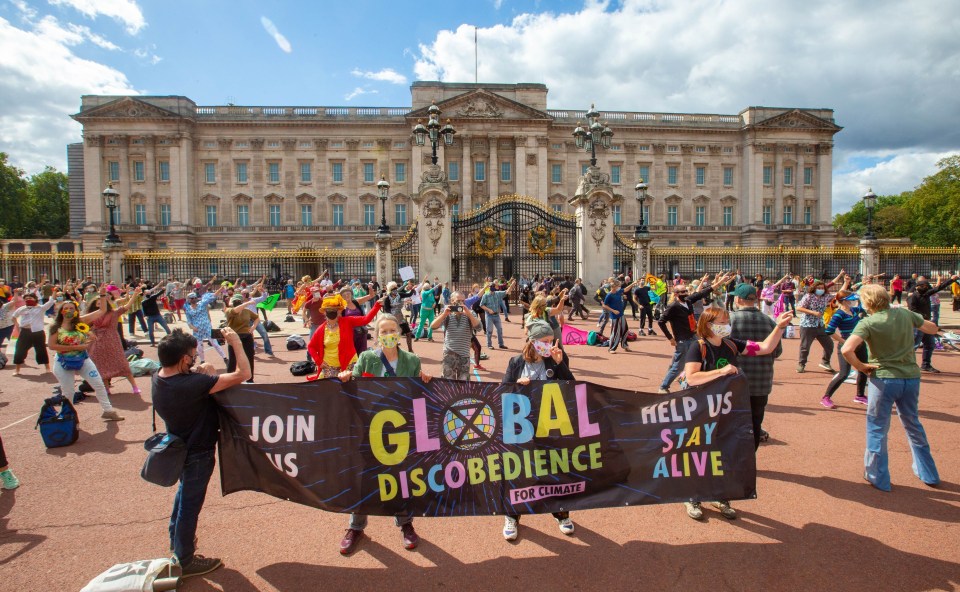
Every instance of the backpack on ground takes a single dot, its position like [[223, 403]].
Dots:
[[58, 422], [168, 317], [133, 353], [144, 367], [288, 318], [631, 336], [3, 360], [295, 342], [271, 327], [303, 368]]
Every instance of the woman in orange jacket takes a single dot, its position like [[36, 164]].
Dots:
[[332, 347]]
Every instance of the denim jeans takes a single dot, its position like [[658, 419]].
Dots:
[[882, 395], [359, 521], [676, 364], [133, 316], [189, 501], [494, 322], [267, 346], [153, 320]]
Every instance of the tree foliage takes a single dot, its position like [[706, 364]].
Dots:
[[929, 215], [33, 207]]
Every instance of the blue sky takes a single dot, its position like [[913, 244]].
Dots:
[[891, 77]]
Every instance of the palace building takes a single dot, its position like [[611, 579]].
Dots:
[[199, 178]]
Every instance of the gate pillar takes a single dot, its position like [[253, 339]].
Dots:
[[433, 200], [593, 201], [384, 256], [869, 257], [112, 262], [641, 265]]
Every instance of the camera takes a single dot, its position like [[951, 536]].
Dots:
[[456, 308]]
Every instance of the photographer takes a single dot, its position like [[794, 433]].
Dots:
[[458, 328]]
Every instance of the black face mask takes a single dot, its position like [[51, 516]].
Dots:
[[922, 289], [332, 314], [681, 297]]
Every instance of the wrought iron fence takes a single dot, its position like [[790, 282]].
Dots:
[[768, 261], [277, 265], [405, 252], [55, 266], [623, 253], [928, 261]]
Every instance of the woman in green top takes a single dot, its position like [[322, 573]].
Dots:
[[894, 379], [385, 360], [428, 302]]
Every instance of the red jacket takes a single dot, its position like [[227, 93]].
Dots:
[[347, 350]]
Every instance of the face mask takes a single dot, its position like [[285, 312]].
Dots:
[[332, 314], [31, 302], [819, 292], [542, 348], [681, 297], [59, 298], [69, 314], [720, 330], [389, 341]]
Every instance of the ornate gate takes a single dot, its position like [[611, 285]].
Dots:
[[512, 236], [405, 252]]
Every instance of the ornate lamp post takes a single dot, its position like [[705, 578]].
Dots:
[[383, 191], [595, 133], [641, 230], [434, 131], [110, 196], [870, 202]]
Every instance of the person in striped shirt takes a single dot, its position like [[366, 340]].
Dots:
[[841, 325]]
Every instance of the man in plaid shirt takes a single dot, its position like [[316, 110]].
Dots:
[[747, 322]]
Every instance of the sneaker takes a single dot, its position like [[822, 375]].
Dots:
[[112, 415], [566, 526], [826, 367], [663, 391], [929, 369], [725, 510], [200, 565], [9, 480], [641, 333], [484, 356], [764, 435], [801, 369], [694, 510], [826, 402], [410, 537], [860, 399], [511, 527], [136, 391], [479, 367], [651, 331], [350, 540], [503, 347]]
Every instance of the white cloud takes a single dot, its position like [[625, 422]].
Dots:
[[895, 173], [123, 11], [41, 81], [358, 92], [275, 33], [146, 54], [385, 75], [28, 12]]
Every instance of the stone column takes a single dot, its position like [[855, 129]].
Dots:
[[778, 185], [112, 261], [384, 258], [593, 200], [543, 192], [520, 145], [93, 180], [493, 177], [869, 257], [124, 186], [434, 238], [466, 181], [824, 182], [6, 260]]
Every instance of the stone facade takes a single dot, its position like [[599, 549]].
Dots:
[[230, 177]]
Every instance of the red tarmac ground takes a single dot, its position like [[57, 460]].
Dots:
[[816, 524]]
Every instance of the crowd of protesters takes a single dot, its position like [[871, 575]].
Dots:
[[716, 325]]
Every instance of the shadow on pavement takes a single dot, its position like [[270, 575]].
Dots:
[[934, 503], [13, 543], [222, 579], [593, 562], [105, 442]]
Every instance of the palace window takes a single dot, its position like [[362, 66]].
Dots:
[[241, 172], [400, 214], [767, 215], [701, 175], [479, 171], [505, 175], [211, 216], [140, 214], [369, 215], [306, 172], [788, 175], [113, 168], [338, 214], [788, 214], [164, 171], [209, 172], [645, 173], [337, 172], [306, 215], [243, 215], [700, 216], [615, 174], [768, 175], [138, 170], [807, 215], [728, 176], [808, 175], [556, 173], [728, 215], [453, 171], [616, 215], [671, 215], [368, 172], [400, 172], [165, 215], [274, 215], [672, 175], [455, 210], [273, 172]]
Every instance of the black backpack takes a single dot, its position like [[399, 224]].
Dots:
[[303, 368], [3, 360], [271, 327], [58, 426]]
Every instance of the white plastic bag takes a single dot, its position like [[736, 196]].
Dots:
[[137, 576]]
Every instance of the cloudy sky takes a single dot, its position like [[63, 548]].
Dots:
[[890, 70]]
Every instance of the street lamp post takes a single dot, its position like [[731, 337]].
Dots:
[[110, 196], [434, 131], [595, 133], [383, 191], [641, 231], [870, 202]]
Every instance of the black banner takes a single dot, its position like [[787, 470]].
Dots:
[[448, 448]]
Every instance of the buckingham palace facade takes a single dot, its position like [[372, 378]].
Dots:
[[229, 177]]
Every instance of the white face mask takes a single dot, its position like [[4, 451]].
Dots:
[[721, 330], [542, 348]]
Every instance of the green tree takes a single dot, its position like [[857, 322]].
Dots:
[[16, 211], [50, 202], [935, 206], [891, 218]]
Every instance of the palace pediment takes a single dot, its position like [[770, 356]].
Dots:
[[797, 119], [481, 104], [126, 108]]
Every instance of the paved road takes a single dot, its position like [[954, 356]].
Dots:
[[815, 526]]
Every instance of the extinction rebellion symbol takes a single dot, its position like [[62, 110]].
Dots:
[[468, 424]]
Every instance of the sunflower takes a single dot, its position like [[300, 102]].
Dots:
[[83, 328]]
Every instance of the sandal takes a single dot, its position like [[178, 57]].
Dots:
[[764, 435]]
